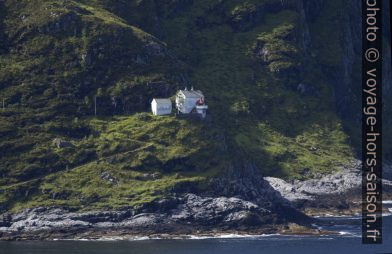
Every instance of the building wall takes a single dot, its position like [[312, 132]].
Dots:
[[186, 105], [161, 109]]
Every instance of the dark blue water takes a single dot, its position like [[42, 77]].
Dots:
[[270, 245], [349, 241]]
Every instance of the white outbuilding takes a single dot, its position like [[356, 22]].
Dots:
[[186, 100], [161, 106]]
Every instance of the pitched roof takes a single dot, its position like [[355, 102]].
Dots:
[[192, 93], [162, 101]]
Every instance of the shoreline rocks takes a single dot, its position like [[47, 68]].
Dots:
[[338, 193], [187, 214]]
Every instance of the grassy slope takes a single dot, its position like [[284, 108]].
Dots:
[[127, 148], [49, 90]]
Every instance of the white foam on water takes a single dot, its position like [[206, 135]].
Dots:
[[226, 236], [387, 214], [112, 238], [349, 234], [142, 238], [206, 237], [103, 239], [330, 216], [171, 237]]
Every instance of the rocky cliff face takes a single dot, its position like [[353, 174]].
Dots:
[[345, 75], [189, 214]]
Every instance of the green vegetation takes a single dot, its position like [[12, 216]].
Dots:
[[277, 128], [145, 156], [310, 152], [278, 53], [62, 56]]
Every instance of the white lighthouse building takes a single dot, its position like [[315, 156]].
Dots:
[[191, 100]]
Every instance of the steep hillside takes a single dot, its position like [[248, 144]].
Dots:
[[270, 71]]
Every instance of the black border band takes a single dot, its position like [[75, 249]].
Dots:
[[372, 38]]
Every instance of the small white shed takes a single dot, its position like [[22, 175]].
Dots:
[[161, 106]]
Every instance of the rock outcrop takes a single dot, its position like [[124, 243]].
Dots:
[[338, 192], [187, 213]]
